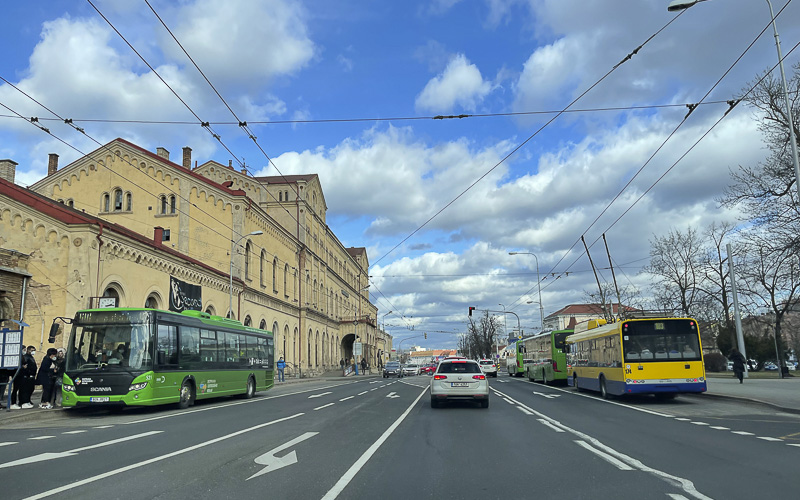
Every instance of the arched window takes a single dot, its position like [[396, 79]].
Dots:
[[210, 310], [316, 349], [285, 277], [275, 336], [263, 324], [285, 338], [263, 262], [117, 200], [70, 203], [248, 321], [280, 196], [308, 358], [275, 274], [172, 204], [314, 296], [247, 249], [129, 202], [151, 302], [106, 203], [163, 204], [113, 293]]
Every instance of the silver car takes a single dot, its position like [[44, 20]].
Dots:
[[459, 379]]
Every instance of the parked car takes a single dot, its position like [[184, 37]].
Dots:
[[410, 369], [489, 367], [459, 379], [391, 369], [791, 366], [770, 366], [730, 366], [427, 369]]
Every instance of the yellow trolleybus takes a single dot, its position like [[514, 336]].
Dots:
[[660, 356]]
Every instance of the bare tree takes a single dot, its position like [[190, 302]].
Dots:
[[480, 337], [772, 280], [674, 263]]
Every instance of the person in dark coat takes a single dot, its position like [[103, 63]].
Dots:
[[363, 366], [27, 378], [738, 364], [60, 364], [46, 377]]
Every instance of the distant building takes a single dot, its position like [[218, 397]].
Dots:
[[578, 313]]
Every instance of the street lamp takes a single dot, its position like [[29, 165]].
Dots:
[[230, 290], [538, 283], [685, 4], [384, 320]]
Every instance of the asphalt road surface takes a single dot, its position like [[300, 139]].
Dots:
[[379, 438]]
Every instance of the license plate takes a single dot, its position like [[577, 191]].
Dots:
[[99, 400], [459, 384]]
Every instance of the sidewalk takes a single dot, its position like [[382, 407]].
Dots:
[[781, 394]]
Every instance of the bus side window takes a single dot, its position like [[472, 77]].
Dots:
[[167, 346], [190, 346]]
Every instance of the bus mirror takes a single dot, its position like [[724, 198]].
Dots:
[[162, 358], [53, 333]]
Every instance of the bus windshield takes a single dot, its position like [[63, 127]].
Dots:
[[121, 341], [670, 339]]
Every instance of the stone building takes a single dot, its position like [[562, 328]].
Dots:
[[125, 223]]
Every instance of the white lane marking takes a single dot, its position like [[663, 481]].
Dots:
[[548, 424], [319, 395], [37, 438], [793, 444], [51, 456], [362, 393], [675, 496], [548, 396], [114, 472], [769, 438], [374, 389], [393, 395], [8, 443], [681, 419], [523, 410], [685, 484], [743, 433], [375, 382], [651, 412], [103, 427], [699, 423], [720, 428], [348, 397], [247, 402], [348, 476], [508, 401], [79, 431], [324, 406], [274, 463], [605, 456]]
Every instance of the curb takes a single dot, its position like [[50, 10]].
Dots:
[[749, 400]]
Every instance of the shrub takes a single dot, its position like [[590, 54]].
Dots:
[[715, 362]]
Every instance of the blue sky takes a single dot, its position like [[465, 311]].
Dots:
[[368, 61]]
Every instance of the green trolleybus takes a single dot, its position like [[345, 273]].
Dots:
[[660, 356], [549, 362], [147, 357]]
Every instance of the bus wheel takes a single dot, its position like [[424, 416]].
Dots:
[[251, 388], [544, 377], [575, 383], [603, 391], [187, 394]]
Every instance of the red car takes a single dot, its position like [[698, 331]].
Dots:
[[427, 369]]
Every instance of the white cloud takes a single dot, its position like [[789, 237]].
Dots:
[[459, 86]]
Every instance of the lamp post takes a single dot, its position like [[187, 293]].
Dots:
[[538, 283], [685, 4], [230, 290], [356, 322], [384, 320]]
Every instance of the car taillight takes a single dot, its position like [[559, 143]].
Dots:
[[479, 377], [439, 377]]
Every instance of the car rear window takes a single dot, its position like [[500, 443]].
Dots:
[[392, 365], [459, 368], [487, 362]]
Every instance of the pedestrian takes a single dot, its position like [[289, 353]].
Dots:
[[5, 380], [61, 359], [46, 377], [738, 364], [281, 366], [363, 366], [354, 365], [26, 380], [341, 363]]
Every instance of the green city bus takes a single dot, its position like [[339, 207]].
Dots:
[[516, 358], [146, 357], [549, 362]]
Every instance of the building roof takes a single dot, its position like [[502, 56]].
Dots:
[[587, 309], [286, 179]]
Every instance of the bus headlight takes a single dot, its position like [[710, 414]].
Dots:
[[68, 388], [137, 387]]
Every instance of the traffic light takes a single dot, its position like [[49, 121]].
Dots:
[[470, 310]]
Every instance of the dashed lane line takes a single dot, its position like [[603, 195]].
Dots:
[[324, 406]]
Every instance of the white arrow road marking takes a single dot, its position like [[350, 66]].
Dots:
[[319, 395], [274, 463], [51, 456], [548, 396], [392, 395]]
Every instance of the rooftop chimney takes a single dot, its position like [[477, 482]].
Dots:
[[187, 157], [158, 235], [52, 163], [230, 164], [8, 169], [162, 152]]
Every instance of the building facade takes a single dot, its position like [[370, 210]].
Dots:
[[129, 223]]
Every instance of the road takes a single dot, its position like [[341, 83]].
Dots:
[[379, 438]]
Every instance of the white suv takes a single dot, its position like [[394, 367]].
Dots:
[[489, 367], [459, 379]]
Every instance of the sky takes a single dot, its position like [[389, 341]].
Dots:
[[348, 89]]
